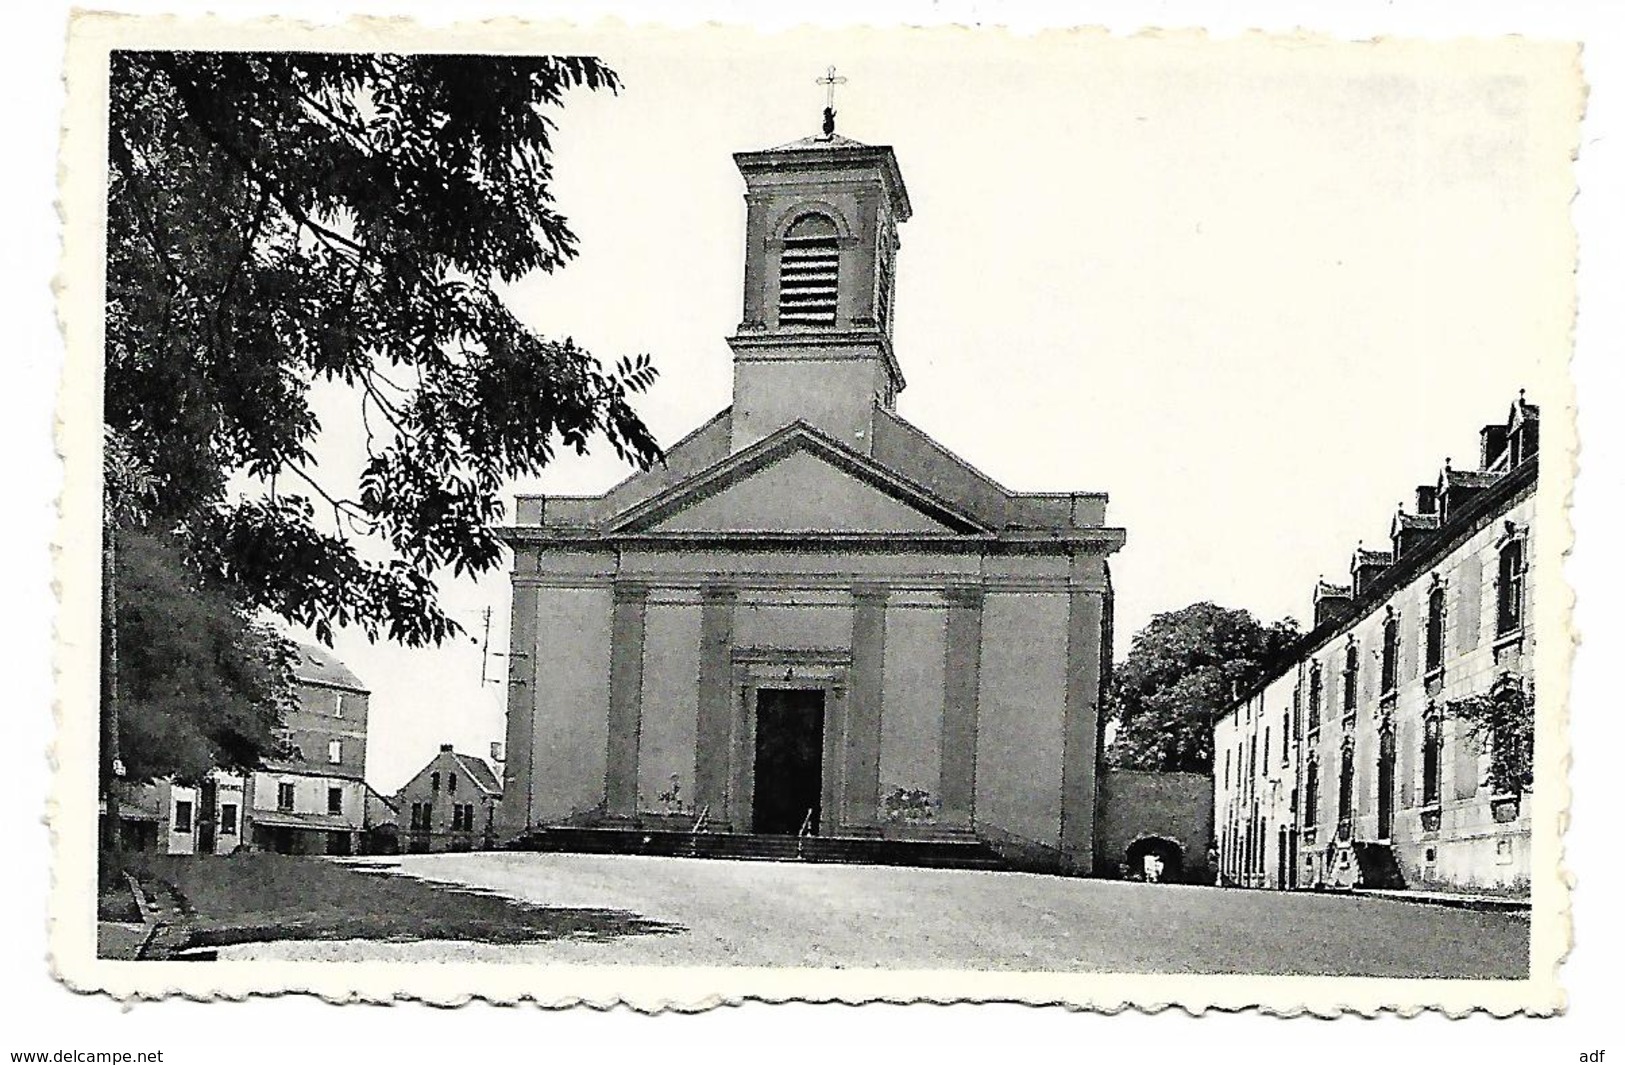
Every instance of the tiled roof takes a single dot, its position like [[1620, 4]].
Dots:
[[479, 772], [310, 769], [1404, 521], [317, 665], [1469, 478], [1366, 557]]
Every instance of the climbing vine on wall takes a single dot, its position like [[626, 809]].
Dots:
[[1503, 719]]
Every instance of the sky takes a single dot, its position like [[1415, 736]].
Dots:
[[1255, 291]]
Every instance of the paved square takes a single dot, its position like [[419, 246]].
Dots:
[[833, 916]]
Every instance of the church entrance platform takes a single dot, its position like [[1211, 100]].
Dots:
[[965, 852]]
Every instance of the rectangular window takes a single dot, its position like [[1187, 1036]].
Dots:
[[1390, 654], [451, 783], [335, 751], [1314, 696], [1351, 678], [284, 796], [338, 704], [1433, 651], [1286, 738], [1432, 752], [1509, 589], [228, 819], [1311, 794], [1345, 791], [335, 800], [183, 817], [1266, 759]]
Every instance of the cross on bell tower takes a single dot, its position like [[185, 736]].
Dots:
[[829, 81]]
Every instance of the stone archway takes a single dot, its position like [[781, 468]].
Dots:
[[1166, 851]]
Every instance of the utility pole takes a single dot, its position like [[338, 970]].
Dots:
[[486, 654]]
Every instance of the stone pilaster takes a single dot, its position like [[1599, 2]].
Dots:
[[961, 694], [862, 799], [625, 698], [714, 730], [1080, 728]]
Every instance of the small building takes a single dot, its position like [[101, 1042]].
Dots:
[[450, 804], [312, 802], [1347, 765], [382, 834], [315, 800]]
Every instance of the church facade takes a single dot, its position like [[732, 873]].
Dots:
[[813, 618]]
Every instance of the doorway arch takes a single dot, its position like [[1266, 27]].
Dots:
[[1170, 853]]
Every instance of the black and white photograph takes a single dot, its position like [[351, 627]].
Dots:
[[660, 515]]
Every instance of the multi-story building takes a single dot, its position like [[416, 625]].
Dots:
[[312, 802], [451, 804], [315, 801], [1350, 763]]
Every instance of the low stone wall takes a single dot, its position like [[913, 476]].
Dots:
[[1136, 805]]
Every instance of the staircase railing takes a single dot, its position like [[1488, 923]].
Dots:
[[699, 826], [801, 837]]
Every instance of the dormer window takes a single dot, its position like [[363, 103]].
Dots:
[[809, 272]]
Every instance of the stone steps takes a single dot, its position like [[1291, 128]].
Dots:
[[964, 853]]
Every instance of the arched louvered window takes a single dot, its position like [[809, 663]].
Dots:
[[809, 272]]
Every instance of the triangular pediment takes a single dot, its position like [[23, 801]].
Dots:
[[796, 481]]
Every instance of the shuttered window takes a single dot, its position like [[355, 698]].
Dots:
[[809, 272]]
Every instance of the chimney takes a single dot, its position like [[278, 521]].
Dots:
[[496, 751], [1331, 601], [1523, 431], [445, 746], [1492, 444]]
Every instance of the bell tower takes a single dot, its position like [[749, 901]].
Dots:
[[820, 267]]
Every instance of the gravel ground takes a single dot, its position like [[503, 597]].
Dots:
[[830, 916]]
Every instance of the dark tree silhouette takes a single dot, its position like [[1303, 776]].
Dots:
[[280, 223], [1182, 670]]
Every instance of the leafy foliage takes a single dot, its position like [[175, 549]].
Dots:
[[201, 686], [1182, 670], [1503, 720], [283, 221]]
